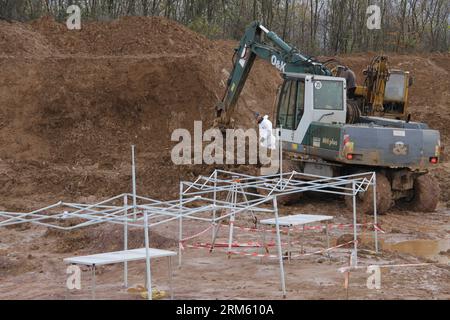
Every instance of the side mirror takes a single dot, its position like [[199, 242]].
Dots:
[[411, 82]]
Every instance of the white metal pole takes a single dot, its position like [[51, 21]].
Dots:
[[281, 152], [280, 250], [232, 220], [355, 228], [125, 241], [94, 285], [180, 228], [289, 244], [263, 247], [171, 278], [133, 168], [328, 237], [215, 210], [375, 211], [303, 239], [219, 225], [147, 257]]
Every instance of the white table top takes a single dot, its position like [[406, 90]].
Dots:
[[119, 257], [297, 220]]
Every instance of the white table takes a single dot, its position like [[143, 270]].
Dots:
[[109, 258], [299, 220]]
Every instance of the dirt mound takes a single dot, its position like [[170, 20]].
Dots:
[[105, 239], [18, 39], [69, 120], [125, 36]]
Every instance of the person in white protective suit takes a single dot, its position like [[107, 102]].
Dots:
[[266, 137]]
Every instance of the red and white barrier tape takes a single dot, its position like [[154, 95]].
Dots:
[[306, 228], [250, 244], [267, 255], [195, 236], [285, 230], [377, 227], [247, 254], [323, 251], [233, 245]]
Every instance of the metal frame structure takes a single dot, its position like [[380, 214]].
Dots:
[[221, 196], [245, 194]]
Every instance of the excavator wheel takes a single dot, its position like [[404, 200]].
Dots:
[[364, 201], [288, 166], [426, 194]]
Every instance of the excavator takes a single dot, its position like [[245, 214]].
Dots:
[[324, 134], [385, 91]]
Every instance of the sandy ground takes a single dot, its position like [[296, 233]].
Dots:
[[31, 263]]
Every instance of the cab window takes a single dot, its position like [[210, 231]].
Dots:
[[300, 103], [395, 88], [329, 95], [291, 107]]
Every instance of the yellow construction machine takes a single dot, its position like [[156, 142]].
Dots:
[[385, 91]]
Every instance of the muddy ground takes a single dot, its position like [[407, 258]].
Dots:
[[71, 104], [31, 262]]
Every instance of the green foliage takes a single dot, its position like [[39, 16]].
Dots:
[[202, 26]]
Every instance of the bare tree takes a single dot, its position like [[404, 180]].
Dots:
[[315, 26]]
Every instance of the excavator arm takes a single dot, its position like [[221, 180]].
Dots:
[[281, 55], [377, 76], [385, 91]]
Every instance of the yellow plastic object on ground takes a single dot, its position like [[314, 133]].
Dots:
[[142, 291]]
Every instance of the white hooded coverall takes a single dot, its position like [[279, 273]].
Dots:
[[267, 139]]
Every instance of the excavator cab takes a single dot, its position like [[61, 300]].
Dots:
[[305, 99], [396, 94]]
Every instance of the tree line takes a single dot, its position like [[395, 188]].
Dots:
[[314, 26]]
